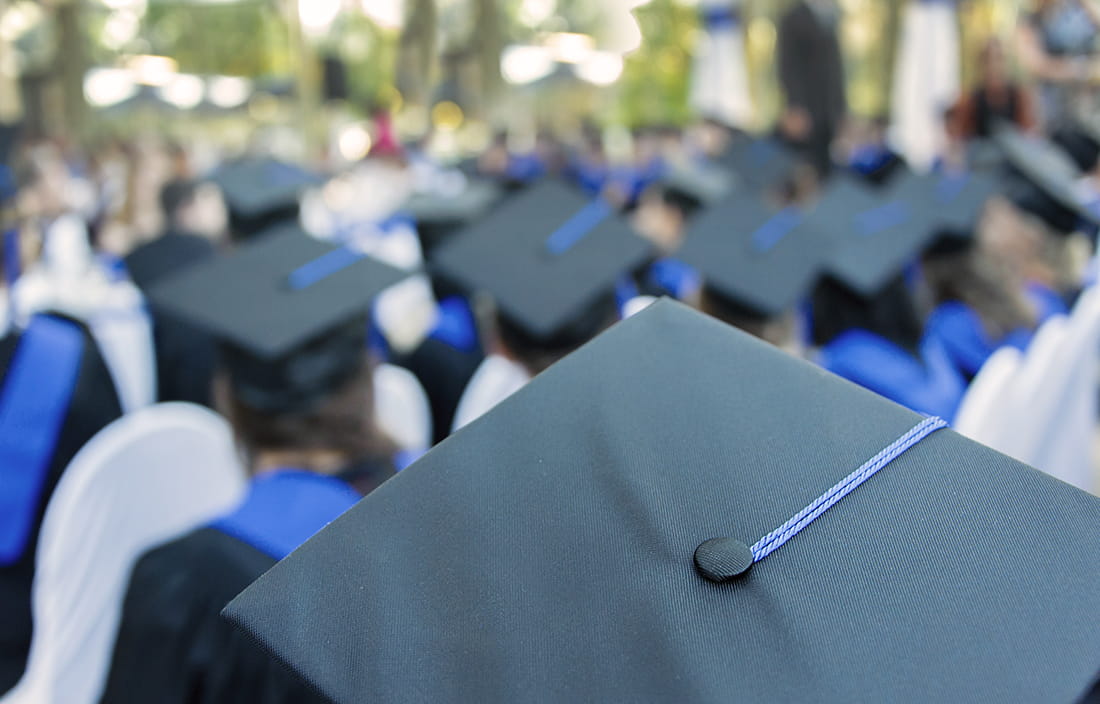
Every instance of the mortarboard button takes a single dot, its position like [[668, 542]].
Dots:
[[723, 559]]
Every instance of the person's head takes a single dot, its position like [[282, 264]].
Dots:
[[891, 313], [982, 282], [779, 331], [537, 353], [661, 215], [194, 207], [327, 434]]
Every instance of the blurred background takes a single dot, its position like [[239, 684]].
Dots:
[[95, 70]]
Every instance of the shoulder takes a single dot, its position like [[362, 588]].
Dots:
[[177, 588], [203, 566]]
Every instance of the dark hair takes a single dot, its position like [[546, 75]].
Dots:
[[537, 353], [970, 277], [343, 422], [730, 312], [892, 313], [175, 195]]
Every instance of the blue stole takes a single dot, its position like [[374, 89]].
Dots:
[[285, 508], [929, 385], [525, 168], [590, 176], [870, 158], [674, 277], [959, 330], [625, 291], [456, 325], [35, 399]]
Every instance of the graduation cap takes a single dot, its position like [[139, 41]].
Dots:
[[760, 260], [678, 512], [698, 185], [761, 163], [1050, 187], [262, 192], [290, 312], [875, 238], [547, 256], [951, 207], [439, 215]]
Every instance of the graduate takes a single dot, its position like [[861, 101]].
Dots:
[[758, 264], [291, 314], [870, 155], [195, 220], [549, 259], [978, 305], [445, 361], [664, 216], [261, 193], [55, 394], [865, 320], [679, 513]]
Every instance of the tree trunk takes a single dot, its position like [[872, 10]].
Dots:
[[416, 52], [72, 59]]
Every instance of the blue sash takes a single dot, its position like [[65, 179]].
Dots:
[[35, 398], [286, 508], [525, 168], [675, 278], [456, 325], [928, 385], [960, 332]]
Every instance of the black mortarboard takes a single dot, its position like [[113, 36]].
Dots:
[[563, 547], [698, 185], [761, 260], [438, 216], [761, 163], [546, 256], [1054, 193], [261, 193], [951, 207], [875, 237], [289, 310]]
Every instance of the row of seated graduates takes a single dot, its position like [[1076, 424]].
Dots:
[[912, 312], [263, 198], [905, 284], [568, 306]]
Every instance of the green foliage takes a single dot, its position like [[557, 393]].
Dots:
[[241, 39], [656, 78], [370, 53]]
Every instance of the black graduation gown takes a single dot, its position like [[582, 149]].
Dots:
[[186, 357], [93, 406], [172, 646], [176, 593]]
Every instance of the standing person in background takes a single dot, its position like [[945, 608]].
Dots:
[[1056, 43], [811, 73], [996, 98]]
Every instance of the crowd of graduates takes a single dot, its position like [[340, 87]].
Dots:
[[344, 322]]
